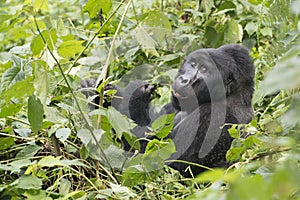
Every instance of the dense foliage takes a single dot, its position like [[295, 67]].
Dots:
[[53, 147]]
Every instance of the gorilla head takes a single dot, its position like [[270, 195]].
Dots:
[[209, 75]]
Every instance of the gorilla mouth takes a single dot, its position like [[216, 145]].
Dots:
[[178, 95]]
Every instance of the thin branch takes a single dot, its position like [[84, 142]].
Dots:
[[103, 74]]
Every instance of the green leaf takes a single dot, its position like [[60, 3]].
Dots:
[[86, 136], [41, 83], [6, 142], [12, 76], [5, 57], [234, 132], [18, 164], [234, 153], [161, 149], [70, 48], [50, 161], [255, 2], [9, 110], [233, 32], [240, 189], [37, 194], [207, 6], [159, 25], [62, 134], [146, 41], [115, 156], [64, 186], [19, 90], [210, 176], [251, 28], [285, 75], [266, 31], [29, 182], [37, 45], [28, 151], [163, 125], [296, 6], [119, 122], [76, 195], [93, 7], [35, 113]]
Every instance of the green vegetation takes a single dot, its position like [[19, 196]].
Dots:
[[48, 136]]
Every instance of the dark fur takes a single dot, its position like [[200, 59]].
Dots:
[[213, 87]]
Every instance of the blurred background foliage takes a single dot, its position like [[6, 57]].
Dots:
[[47, 133]]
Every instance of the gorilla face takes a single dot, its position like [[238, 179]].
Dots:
[[199, 80]]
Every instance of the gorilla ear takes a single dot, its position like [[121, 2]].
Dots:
[[242, 59]]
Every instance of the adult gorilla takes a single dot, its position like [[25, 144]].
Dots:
[[213, 87]]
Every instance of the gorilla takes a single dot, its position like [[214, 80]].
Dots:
[[212, 89]]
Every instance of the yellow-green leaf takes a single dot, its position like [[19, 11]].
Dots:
[[70, 48]]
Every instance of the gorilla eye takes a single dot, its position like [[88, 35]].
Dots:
[[203, 69], [194, 64]]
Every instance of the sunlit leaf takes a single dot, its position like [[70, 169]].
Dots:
[[29, 182], [9, 109], [162, 149], [62, 134], [266, 31], [233, 32], [19, 90], [285, 75], [158, 25], [41, 82], [64, 186], [146, 41], [93, 7], [38, 44], [163, 125], [251, 28], [11, 76], [70, 48], [50, 161]]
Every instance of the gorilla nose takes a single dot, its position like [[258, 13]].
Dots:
[[184, 81]]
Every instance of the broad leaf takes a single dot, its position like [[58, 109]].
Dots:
[[70, 48], [119, 122], [35, 113], [62, 134], [41, 83], [163, 125], [146, 41], [159, 26], [29, 182], [11, 76], [93, 7], [6, 142], [28, 151], [19, 90], [50, 161], [38, 44]]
